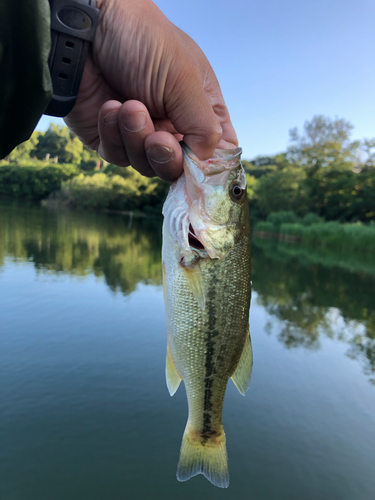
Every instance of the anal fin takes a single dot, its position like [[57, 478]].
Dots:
[[242, 374], [171, 374]]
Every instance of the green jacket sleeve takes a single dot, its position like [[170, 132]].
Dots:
[[25, 82]]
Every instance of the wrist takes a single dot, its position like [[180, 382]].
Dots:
[[73, 26]]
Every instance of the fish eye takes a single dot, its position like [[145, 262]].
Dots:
[[236, 191]]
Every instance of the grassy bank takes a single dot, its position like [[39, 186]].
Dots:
[[286, 251], [349, 237]]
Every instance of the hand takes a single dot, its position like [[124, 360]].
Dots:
[[146, 86]]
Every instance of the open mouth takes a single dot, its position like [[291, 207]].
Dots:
[[193, 240]]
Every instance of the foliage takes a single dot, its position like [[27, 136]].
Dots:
[[266, 227], [90, 159], [24, 151], [282, 190], [102, 191], [284, 216], [57, 144], [251, 183], [34, 182], [324, 142], [311, 218], [323, 172], [346, 237], [323, 175], [357, 238], [292, 229], [367, 148], [340, 194]]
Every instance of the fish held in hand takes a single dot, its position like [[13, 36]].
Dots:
[[207, 289]]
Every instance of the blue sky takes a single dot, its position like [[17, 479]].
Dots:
[[281, 62]]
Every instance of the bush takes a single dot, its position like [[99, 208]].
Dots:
[[283, 217], [290, 229], [102, 191], [34, 182], [266, 227], [311, 218], [325, 233], [347, 237]]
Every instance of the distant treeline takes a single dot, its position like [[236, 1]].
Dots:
[[323, 173]]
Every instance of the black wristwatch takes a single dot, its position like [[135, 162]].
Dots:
[[73, 26]]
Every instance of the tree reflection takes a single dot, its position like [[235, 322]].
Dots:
[[80, 243], [310, 299], [308, 296]]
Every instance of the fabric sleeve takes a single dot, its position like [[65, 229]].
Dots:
[[25, 82]]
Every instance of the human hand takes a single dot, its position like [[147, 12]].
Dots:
[[146, 86]]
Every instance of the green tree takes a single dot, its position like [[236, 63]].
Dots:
[[25, 150], [59, 141], [282, 190], [73, 150], [90, 159], [368, 149], [324, 142]]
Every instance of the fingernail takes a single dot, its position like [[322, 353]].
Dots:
[[134, 122], [111, 118], [160, 154]]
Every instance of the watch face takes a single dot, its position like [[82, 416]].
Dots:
[[75, 19]]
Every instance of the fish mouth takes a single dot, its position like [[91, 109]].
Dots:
[[227, 154], [223, 160], [193, 240]]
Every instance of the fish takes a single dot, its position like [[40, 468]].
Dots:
[[207, 291]]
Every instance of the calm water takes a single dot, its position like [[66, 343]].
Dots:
[[84, 410]]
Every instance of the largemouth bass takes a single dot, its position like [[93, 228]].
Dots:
[[207, 289]]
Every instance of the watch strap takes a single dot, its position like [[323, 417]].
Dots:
[[73, 26]]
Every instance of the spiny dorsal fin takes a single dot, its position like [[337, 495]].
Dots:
[[242, 374], [171, 374]]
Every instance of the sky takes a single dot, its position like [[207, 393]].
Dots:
[[279, 63]]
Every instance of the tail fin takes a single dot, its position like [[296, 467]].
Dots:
[[207, 457]]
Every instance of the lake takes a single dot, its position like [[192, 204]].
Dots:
[[84, 409]]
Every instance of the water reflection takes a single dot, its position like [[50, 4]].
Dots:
[[125, 251], [307, 297], [312, 300]]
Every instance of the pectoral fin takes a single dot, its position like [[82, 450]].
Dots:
[[164, 282], [242, 374], [171, 374], [196, 284]]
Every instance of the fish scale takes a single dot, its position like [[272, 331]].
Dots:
[[223, 322], [208, 340]]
